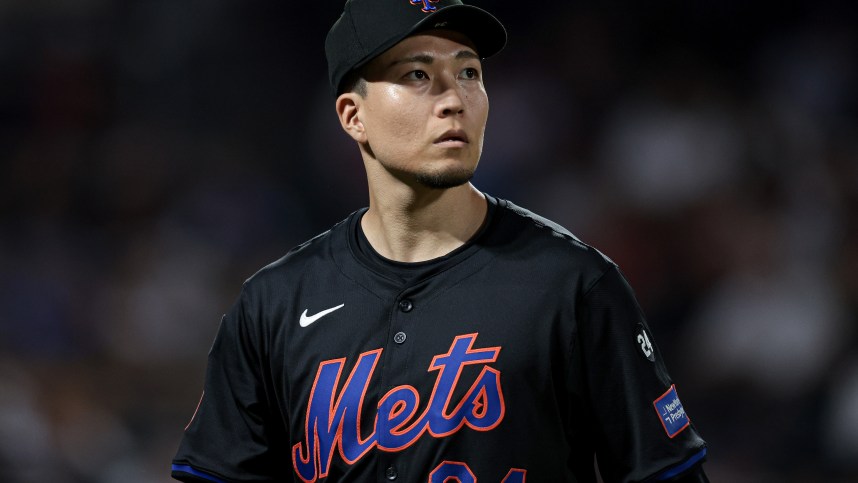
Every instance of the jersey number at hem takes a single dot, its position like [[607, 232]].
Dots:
[[456, 472]]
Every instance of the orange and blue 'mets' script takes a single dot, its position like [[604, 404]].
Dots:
[[334, 422]]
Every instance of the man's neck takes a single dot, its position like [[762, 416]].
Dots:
[[414, 225]]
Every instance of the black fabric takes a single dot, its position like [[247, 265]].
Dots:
[[516, 356]]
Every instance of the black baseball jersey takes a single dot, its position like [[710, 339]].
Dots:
[[515, 358]]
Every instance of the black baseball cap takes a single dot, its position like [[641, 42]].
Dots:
[[367, 28]]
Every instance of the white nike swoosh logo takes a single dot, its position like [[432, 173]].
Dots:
[[307, 320]]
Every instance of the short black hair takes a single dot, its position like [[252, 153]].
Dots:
[[354, 81]]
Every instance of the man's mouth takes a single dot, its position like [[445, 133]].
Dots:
[[453, 137]]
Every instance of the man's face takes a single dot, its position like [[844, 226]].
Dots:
[[425, 109]]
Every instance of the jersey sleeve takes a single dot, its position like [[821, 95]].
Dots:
[[235, 434], [639, 428]]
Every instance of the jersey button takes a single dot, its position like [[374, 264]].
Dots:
[[405, 305], [391, 473], [399, 338]]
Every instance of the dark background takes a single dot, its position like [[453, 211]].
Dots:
[[156, 153]]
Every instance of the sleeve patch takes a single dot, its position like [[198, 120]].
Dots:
[[644, 342], [671, 412]]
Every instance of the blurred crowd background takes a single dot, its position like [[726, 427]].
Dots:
[[157, 153]]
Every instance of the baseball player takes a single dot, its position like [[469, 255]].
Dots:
[[441, 334]]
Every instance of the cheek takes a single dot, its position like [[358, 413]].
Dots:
[[394, 115], [479, 105]]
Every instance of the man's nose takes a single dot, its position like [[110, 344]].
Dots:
[[451, 101]]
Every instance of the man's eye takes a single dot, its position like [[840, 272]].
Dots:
[[471, 73], [417, 75]]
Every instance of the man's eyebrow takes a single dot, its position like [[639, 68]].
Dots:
[[428, 59], [419, 58], [467, 54]]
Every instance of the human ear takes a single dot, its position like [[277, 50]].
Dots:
[[348, 111]]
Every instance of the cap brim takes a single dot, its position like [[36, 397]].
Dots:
[[481, 27]]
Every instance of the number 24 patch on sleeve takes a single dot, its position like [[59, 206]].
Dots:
[[671, 412]]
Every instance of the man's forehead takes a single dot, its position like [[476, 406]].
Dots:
[[431, 43]]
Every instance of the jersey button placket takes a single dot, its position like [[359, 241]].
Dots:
[[395, 363], [405, 306]]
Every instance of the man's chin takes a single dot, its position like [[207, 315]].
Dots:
[[445, 179]]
